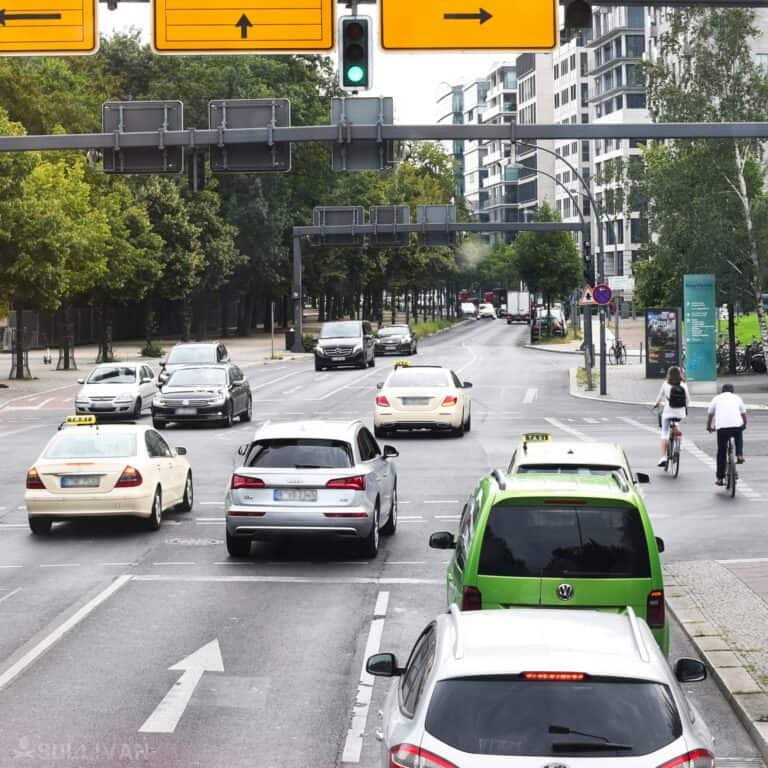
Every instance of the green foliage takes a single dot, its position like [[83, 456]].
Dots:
[[430, 327], [309, 341], [152, 349]]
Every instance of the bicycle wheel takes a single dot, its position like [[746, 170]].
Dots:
[[612, 356], [622, 355], [732, 474], [676, 458]]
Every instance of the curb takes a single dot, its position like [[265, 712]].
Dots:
[[556, 351], [746, 697]]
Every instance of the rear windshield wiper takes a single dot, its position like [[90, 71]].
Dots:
[[312, 466], [590, 746]]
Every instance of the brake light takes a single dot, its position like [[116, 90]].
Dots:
[[382, 400], [130, 478], [411, 756], [560, 677], [356, 483], [244, 481], [450, 400], [471, 599], [698, 758], [655, 613], [33, 480]]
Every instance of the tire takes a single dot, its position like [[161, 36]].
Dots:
[[158, 424], [318, 367], [468, 425], [676, 470], [391, 525], [623, 355], [247, 414], [373, 361], [612, 356], [363, 364], [40, 526], [155, 519], [459, 431], [733, 477], [415, 348], [238, 546], [189, 495], [229, 419], [370, 545], [137, 409]]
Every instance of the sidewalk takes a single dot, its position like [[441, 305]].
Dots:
[[723, 608]]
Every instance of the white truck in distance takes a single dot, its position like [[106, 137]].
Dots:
[[518, 307]]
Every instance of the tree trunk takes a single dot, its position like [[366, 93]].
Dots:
[[731, 340], [19, 341]]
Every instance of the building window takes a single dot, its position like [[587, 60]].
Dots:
[[557, 71], [584, 94], [564, 67], [617, 48], [584, 151], [638, 231], [584, 65], [573, 93], [635, 101], [619, 102], [573, 61], [635, 46], [635, 16], [557, 100]]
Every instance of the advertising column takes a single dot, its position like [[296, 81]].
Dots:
[[700, 331], [662, 341]]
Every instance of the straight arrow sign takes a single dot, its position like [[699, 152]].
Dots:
[[482, 16], [166, 716]]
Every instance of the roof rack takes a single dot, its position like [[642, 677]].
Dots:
[[458, 646], [642, 649], [498, 476]]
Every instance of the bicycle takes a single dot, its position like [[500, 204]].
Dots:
[[673, 448], [731, 476], [617, 354]]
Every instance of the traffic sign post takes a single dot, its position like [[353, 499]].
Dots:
[[40, 27], [223, 26], [529, 25]]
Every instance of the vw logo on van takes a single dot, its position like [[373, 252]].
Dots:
[[564, 592]]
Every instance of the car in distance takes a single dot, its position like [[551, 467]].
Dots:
[[562, 541], [312, 478], [345, 342], [193, 353], [102, 470], [501, 311], [116, 389], [523, 687], [486, 312], [422, 397], [395, 338], [467, 309], [218, 393]]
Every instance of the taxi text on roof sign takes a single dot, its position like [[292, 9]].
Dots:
[[528, 25], [224, 26], [80, 421], [38, 27], [537, 437]]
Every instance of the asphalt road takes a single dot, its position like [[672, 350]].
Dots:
[[93, 617]]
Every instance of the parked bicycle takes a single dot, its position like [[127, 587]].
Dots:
[[617, 353]]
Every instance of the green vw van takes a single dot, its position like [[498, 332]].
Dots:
[[557, 540]]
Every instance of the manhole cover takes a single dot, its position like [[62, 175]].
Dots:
[[195, 542]]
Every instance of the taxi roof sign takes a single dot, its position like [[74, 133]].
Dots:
[[80, 421], [42, 27], [403, 364], [257, 26], [537, 437], [525, 25]]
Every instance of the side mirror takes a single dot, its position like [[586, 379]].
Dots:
[[690, 671], [467, 385], [243, 449], [181, 451], [145, 380], [383, 665], [642, 477], [162, 363], [81, 381], [390, 452], [659, 543], [380, 385], [442, 540]]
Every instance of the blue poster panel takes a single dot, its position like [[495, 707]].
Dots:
[[662, 340], [700, 327]]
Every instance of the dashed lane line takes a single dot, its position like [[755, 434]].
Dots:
[[557, 424], [10, 595]]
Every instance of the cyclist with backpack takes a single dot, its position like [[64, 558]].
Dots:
[[675, 398]]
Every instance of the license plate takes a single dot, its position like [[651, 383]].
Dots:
[[80, 481], [295, 494], [338, 359], [186, 411], [415, 401]]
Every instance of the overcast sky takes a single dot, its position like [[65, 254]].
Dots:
[[412, 79]]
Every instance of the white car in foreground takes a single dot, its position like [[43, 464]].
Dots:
[[543, 687], [117, 389], [98, 470], [422, 397]]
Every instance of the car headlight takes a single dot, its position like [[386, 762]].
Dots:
[[219, 400]]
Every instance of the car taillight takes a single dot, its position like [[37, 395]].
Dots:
[[33, 480], [471, 599], [450, 400], [382, 400], [356, 483], [411, 756], [697, 758], [244, 481], [130, 478], [655, 614]]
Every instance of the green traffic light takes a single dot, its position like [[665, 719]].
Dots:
[[355, 74]]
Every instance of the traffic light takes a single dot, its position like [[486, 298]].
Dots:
[[355, 53], [589, 272], [577, 14]]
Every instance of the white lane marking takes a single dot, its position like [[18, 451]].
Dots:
[[354, 742], [210, 503], [343, 386], [11, 566], [293, 389], [5, 403], [400, 501], [405, 562], [56, 634], [210, 519], [570, 430], [2, 509], [10, 595], [178, 562], [530, 395], [22, 508], [469, 362], [168, 712], [13, 525], [440, 501], [274, 381], [285, 579], [447, 517], [120, 564], [209, 522], [400, 518], [745, 559], [59, 565], [591, 420]]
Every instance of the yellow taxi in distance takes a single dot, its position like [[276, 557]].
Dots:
[[94, 470]]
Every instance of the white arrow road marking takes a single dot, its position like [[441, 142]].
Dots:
[[169, 711], [530, 395]]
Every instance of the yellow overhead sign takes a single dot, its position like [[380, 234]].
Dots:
[[464, 25], [39, 27], [226, 26]]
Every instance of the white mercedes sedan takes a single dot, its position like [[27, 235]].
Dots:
[[98, 470]]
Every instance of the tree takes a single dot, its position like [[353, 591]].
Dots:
[[548, 262]]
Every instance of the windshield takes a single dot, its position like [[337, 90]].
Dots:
[[419, 377], [91, 443], [507, 715], [556, 541], [394, 330], [113, 374], [570, 469], [300, 453], [198, 377], [192, 354], [340, 331]]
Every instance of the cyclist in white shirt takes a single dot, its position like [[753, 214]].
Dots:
[[728, 415], [675, 398]]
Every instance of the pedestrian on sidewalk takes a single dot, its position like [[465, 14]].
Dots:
[[727, 415], [675, 398]]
